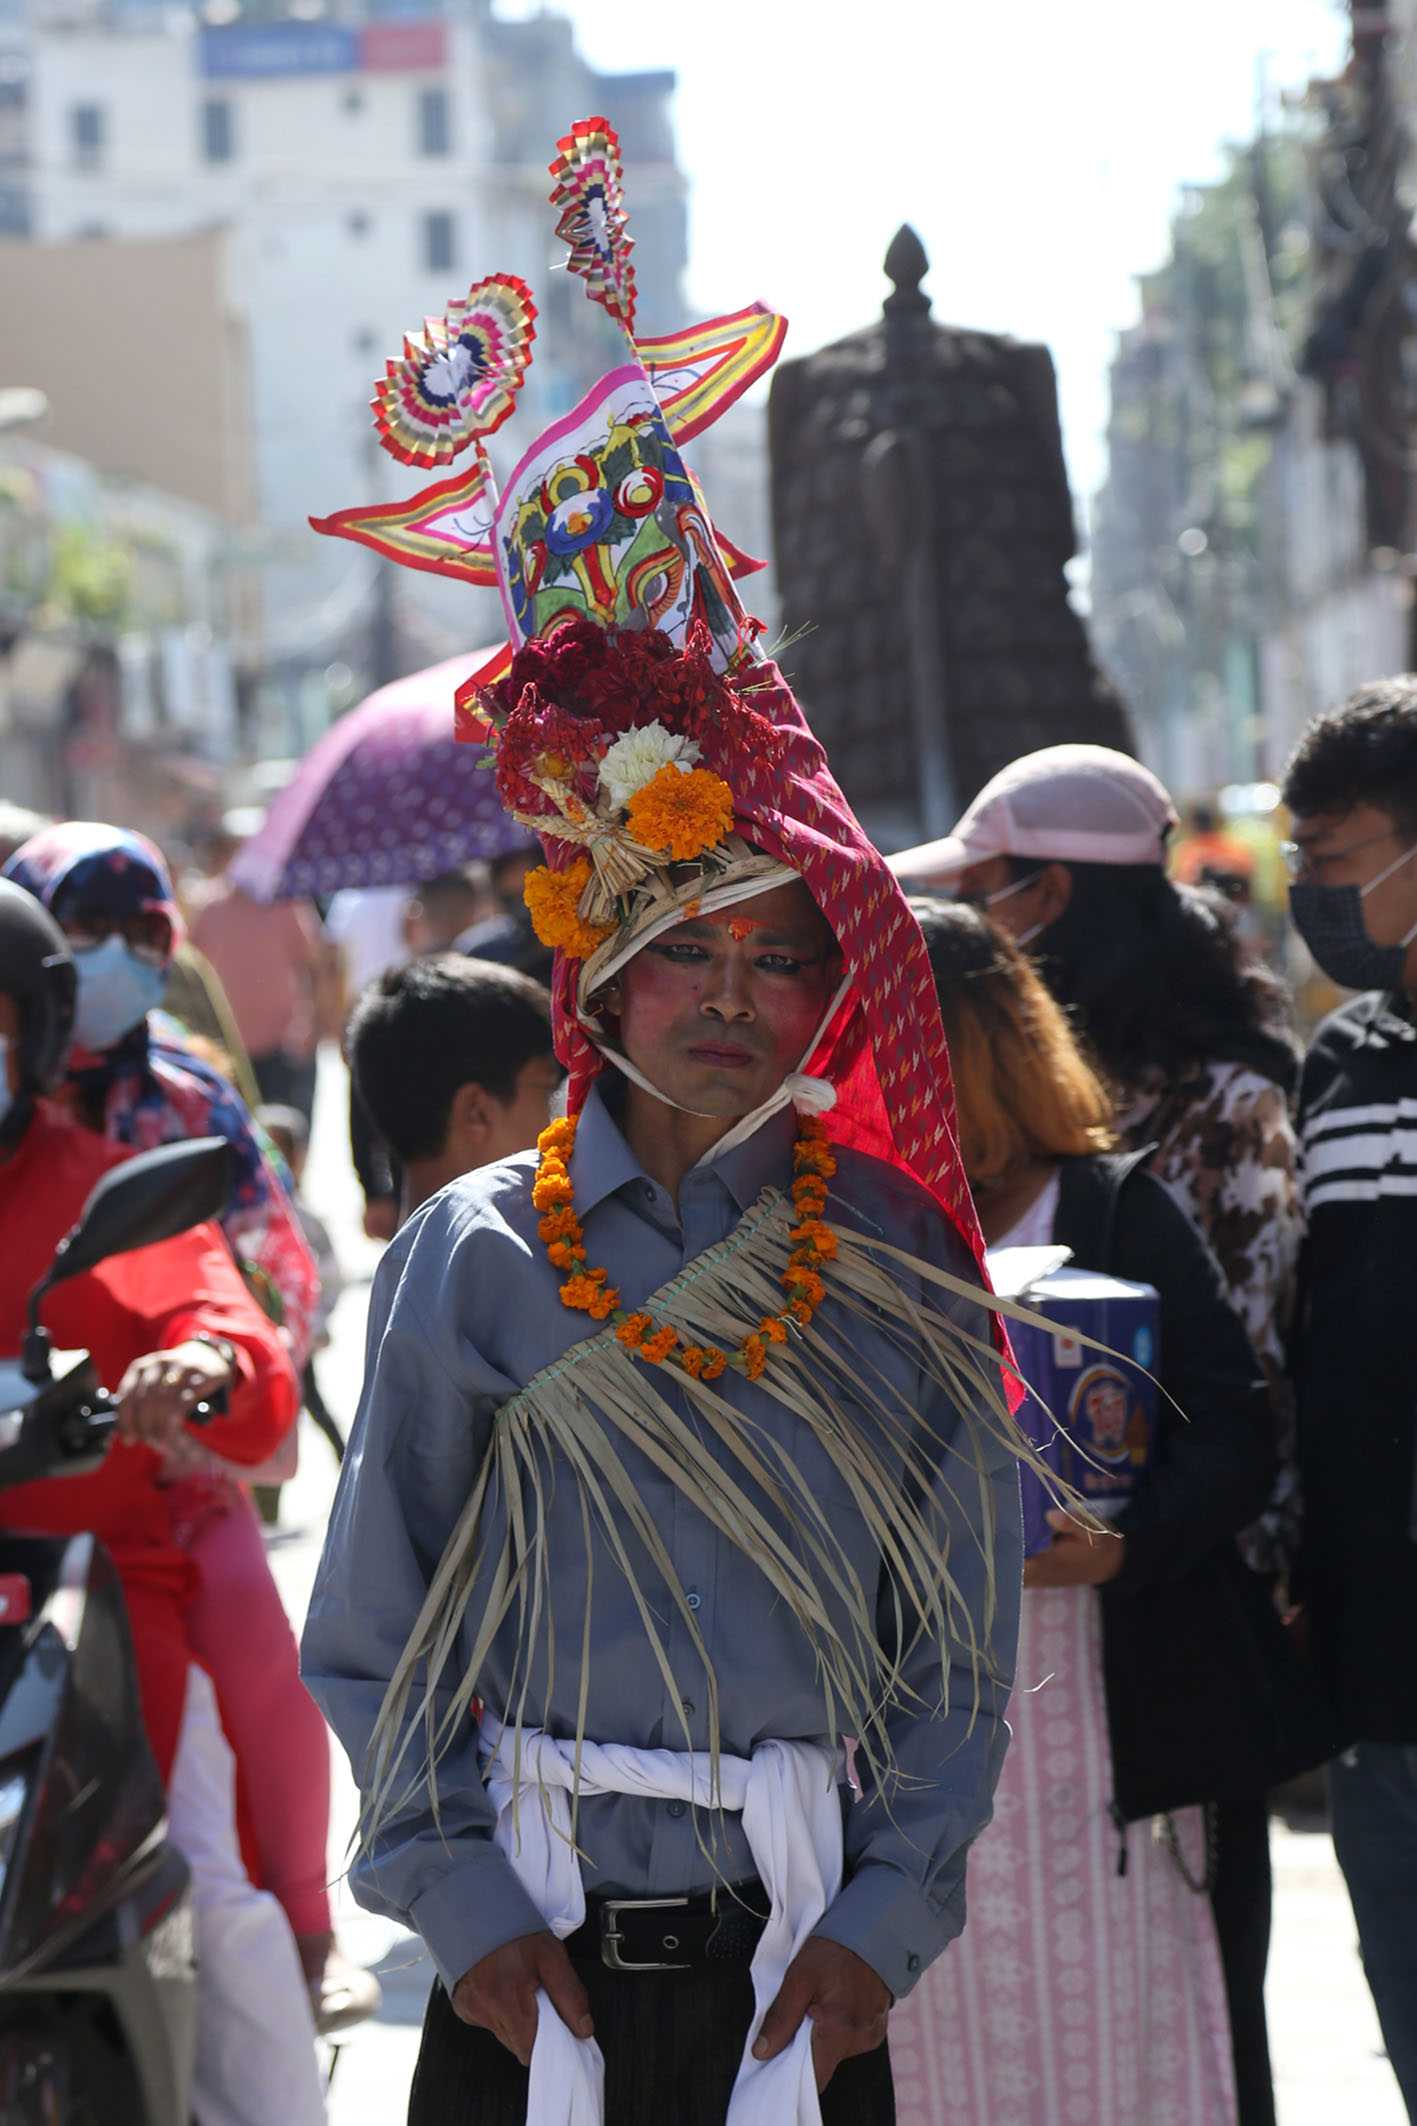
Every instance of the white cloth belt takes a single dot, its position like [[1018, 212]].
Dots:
[[787, 1796]]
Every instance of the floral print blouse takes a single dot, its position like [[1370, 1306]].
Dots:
[[1226, 1147]]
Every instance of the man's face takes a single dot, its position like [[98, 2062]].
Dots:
[[1107, 1408], [514, 1125], [1349, 849], [717, 1011]]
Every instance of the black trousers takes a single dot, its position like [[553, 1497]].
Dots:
[[1241, 1900], [672, 2042]]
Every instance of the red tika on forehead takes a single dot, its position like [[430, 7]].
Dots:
[[886, 1055]]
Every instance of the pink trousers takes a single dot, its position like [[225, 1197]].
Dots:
[[240, 1633]]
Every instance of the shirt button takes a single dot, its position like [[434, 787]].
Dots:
[[693, 1598], [676, 1808], [689, 1708], [912, 1962]]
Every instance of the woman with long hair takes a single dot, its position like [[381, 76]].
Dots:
[[1067, 848], [1088, 1983]]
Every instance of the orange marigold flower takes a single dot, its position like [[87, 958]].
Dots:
[[657, 1348], [820, 1238], [565, 1254], [557, 1138], [773, 1328], [550, 1189], [692, 1358], [715, 1363], [581, 1291], [603, 1305], [801, 1312], [755, 1356], [681, 815], [562, 1224], [810, 1203], [633, 1328], [553, 898], [804, 1284]]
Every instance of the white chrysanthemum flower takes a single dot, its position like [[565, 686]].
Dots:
[[637, 758]]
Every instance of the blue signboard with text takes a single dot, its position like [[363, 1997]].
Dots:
[[251, 51]]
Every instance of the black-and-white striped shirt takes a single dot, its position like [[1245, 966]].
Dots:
[[1355, 1361]]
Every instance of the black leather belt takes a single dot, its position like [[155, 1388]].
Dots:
[[672, 1933]]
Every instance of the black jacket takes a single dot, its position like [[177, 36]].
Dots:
[[1355, 1363], [1204, 1700]]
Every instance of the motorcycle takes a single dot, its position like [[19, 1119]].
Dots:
[[97, 1966]]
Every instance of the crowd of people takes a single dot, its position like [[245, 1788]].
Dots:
[[1075, 1927]]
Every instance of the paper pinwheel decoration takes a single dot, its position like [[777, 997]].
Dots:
[[456, 382], [588, 185]]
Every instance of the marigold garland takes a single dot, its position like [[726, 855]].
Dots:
[[590, 1292]]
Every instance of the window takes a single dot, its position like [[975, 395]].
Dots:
[[88, 123], [438, 245], [434, 130], [218, 130]]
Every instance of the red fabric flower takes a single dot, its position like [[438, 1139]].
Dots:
[[536, 731]]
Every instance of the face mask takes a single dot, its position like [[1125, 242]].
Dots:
[[985, 901], [1330, 921], [116, 990]]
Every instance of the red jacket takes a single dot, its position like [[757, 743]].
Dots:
[[145, 1301]]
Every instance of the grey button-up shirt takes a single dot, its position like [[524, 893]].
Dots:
[[465, 1311]]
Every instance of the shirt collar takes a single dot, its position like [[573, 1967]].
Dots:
[[603, 1161]]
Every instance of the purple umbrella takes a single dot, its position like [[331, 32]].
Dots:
[[387, 798]]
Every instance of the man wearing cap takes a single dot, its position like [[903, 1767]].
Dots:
[[1066, 848]]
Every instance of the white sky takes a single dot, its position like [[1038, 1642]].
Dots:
[[1037, 146]]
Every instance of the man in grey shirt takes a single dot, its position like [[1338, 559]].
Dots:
[[465, 1314]]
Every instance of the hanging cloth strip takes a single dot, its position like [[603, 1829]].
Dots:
[[787, 1795]]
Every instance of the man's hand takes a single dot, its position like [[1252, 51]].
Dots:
[[1076, 1557], [846, 2000], [158, 1393], [499, 1994]]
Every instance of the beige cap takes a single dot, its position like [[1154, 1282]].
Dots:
[[1078, 804]]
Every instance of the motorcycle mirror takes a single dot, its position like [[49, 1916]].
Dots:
[[147, 1199]]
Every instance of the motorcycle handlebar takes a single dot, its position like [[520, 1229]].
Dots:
[[93, 1424]]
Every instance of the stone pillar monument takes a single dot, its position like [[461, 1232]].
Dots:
[[921, 527]]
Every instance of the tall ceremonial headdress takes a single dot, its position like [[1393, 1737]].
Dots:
[[638, 727]]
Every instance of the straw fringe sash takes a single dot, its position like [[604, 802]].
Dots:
[[572, 1422]]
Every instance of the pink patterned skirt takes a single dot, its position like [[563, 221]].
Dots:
[[1076, 1996]]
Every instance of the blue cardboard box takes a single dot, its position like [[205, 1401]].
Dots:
[[1092, 1414]]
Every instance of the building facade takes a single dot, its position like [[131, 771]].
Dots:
[[1249, 546], [362, 168]]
